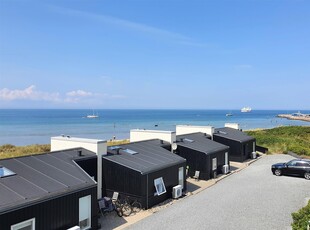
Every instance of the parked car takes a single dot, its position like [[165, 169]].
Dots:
[[300, 167]]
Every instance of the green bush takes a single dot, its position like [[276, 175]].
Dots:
[[301, 218], [284, 139]]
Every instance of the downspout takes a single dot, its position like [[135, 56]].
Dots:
[[147, 191], [99, 174]]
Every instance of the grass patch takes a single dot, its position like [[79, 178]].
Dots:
[[301, 218], [283, 139], [9, 151]]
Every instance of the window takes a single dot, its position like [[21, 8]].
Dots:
[[254, 144], [25, 225], [129, 151], [302, 164], [188, 140], [114, 147], [291, 163], [159, 186], [214, 164], [4, 172], [181, 176], [85, 212]]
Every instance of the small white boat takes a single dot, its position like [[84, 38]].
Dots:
[[246, 110], [228, 114], [92, 115]]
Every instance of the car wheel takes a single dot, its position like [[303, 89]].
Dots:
[[307, 175], [278, 172]]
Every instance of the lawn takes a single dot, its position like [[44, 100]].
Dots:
[[283, 139], [9, 151]]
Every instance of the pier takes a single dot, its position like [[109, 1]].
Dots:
[[296, 116]]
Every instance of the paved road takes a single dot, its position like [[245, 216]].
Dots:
[[251, 199]]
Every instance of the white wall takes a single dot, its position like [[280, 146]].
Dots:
[[64, 142], [187, 129], [232, 125], [143, 135]]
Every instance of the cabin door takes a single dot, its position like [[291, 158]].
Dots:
[[181, 176], [85, 212]]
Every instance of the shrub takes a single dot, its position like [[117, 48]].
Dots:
[[301, 218]]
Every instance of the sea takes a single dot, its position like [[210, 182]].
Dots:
[[37, 126]]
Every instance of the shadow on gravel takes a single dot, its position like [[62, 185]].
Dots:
[[111, 221], [192, 187]]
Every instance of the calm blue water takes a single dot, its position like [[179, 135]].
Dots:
[[21, 127]]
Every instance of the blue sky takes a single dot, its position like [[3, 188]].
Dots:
[[165, 54]]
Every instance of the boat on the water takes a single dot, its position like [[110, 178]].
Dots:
[[246, 110], [92, 115], [228, 114]]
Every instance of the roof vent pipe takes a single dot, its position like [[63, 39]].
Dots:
[[161, 142], [117, 151], [80, 153]]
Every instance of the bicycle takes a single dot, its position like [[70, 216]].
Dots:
[[136, 206], [124, 205]]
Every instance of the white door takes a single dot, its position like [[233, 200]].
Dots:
[[181, 176], [85, 212], [214, 164]]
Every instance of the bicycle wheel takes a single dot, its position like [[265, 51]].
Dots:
[[126, 209], [136, 206], [119, 212]]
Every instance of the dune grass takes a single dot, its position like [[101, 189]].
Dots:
[[283, 139], [9, 151]]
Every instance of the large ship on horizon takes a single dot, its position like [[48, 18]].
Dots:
[[246, 110]]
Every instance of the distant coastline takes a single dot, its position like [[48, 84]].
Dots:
[[36, 126], [300, 117]]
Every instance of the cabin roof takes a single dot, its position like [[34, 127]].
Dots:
[[233, 134], [42, 176], [200, 142], [144, 156]]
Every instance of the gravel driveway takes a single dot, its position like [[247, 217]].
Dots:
[[251, 199]]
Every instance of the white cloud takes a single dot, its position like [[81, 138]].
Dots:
[[120, 22], [79, 93], [73, 97], [29, 93], [134, 26]]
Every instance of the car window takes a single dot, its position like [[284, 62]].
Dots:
[[291, 163], [304, 164]]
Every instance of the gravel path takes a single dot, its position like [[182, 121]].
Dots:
[[251, 199]]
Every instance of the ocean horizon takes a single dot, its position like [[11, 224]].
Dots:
[[37, 126]]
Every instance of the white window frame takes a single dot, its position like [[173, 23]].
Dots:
[[26, 223], [181, 176], [157, 182], [214, 163], [89, 210]]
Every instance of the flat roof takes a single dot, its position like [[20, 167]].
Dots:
[[233, 134], [149, 156], [200, 142], [152, 131], [77, 139], [40, 177]]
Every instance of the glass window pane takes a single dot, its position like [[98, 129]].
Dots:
[[159, 186]]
